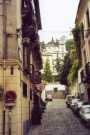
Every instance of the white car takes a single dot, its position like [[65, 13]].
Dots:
[[74, 101], [85, 113], [69, 99], [78, 105]]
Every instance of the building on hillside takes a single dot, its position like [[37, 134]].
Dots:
[[20, 63], [82, 41], [52, 51]]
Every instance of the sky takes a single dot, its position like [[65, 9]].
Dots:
[[57, 17]]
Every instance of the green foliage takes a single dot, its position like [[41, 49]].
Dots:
[[47, 76], [58, 67], [74, 66], [73, 55], [73, 72], [77, 31], [65, 70], [70, 67], [69, 44], [58, 64]]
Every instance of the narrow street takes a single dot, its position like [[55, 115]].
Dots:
[[59, 120]]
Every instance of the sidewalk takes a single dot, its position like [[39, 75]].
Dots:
[[38, 130]]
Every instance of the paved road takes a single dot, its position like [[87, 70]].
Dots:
[[59, 120]]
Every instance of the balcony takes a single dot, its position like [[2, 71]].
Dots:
[[30, 34], [35, 77], [30, 9], [27, 7], [26, 41], [26, 59], [37, 12], [26, 70], [25, 12], [37, 57], [28, 30]]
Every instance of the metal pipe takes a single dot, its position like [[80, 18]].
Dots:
[[4, 55], [9, 124], [3, 101], [3, 122], [4, 30]]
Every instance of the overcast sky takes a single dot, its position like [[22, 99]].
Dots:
[[58, 17]]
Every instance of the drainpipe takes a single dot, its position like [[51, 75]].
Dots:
[[4, 30], [3, 122], [9, 124], [4, 55]]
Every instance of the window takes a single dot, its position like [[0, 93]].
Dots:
[[12, 70], [24, 89], [20, 53], [87, 17], [85, 58], [82, 31], [37, 77], [26, 58]]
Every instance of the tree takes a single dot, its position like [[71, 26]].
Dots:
[[58, 64], [69, 44], [74, 68], [70, 67], [65, 70], [58, 67], [47, 76]]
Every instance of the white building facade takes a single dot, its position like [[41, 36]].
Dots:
[[54, 50]]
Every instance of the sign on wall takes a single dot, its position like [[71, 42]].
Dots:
[[10, 98]]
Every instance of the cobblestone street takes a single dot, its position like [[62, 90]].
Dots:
[[59, 120]]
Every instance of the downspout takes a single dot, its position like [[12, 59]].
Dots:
[[4, 31], [4, 56]]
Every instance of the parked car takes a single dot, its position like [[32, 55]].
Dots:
[[73, 102], [85, 114], [69, 99], [49, 97], [77, 106]]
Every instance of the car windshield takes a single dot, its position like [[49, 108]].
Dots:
[[87, 110]]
